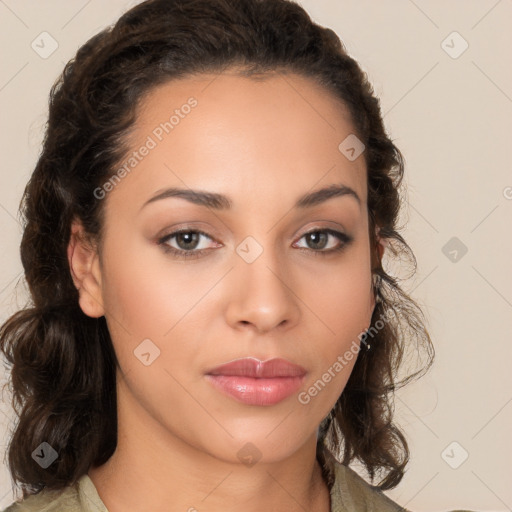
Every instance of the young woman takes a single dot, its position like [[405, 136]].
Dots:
[[211, 325]]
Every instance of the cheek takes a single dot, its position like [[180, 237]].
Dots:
[[351, 301], [145, 297], [144, 290], [148, 295], [341, 296], [341, 309]]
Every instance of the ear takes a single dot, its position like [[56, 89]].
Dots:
[[85, 270], [376, 260], [378, 251], [381, 246]]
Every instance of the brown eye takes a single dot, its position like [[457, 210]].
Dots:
[[186, 241], [318, 240]]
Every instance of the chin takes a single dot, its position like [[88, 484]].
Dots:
[[267, 443]]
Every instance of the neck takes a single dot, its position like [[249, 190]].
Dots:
[[153, 470]]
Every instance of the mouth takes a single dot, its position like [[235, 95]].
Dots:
[[255, 382]]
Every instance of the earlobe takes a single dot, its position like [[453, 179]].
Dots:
[[85, 271], [379, 253], [381, 247], [381, 243]]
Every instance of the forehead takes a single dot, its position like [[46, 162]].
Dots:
[[248, 135]]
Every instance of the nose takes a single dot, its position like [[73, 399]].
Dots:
[[262, 295]]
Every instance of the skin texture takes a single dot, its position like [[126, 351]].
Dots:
[[263, 143]]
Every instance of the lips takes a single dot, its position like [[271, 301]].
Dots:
[[251, 367], [256, 382]]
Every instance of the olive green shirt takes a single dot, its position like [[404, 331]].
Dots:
[[350, 493]]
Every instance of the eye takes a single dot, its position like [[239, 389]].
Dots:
[[187, 241], [319, 238]]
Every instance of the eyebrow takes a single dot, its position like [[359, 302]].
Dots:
[[221, 202]]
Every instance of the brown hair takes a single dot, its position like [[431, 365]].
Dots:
[[63, 363]]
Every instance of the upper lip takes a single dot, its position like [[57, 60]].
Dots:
[[252, 367]]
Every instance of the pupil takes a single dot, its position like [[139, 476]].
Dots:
[[316, 236], [189, 237]]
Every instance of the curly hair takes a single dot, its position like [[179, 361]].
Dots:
[[63, 365]]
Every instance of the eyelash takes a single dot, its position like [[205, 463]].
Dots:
[[181, 253]]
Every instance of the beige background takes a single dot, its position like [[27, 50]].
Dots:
[[451, 117]]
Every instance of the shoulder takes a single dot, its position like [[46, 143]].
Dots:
[[351, 492], [63, 500], [47, 501]]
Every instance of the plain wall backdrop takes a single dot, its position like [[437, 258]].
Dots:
[[442, 71]]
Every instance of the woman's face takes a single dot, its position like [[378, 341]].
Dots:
[[254, 284]]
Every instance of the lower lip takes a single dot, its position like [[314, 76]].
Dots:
[[256, 391]]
